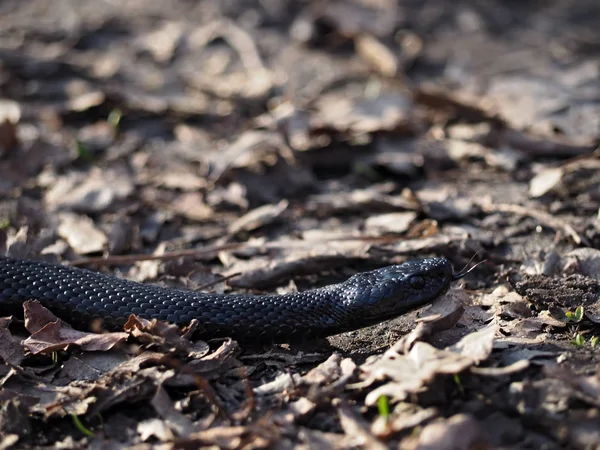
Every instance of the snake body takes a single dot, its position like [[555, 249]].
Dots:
[[81, 297]]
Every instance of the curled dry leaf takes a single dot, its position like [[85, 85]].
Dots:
[[329, 377], [326, 372], [249, 149], [412, 372], [443, 314], [156, 332], [215, 361], [48, 333]]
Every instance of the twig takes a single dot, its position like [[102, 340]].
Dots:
[[541, 216]]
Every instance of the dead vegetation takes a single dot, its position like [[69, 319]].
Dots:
[[269, 146]]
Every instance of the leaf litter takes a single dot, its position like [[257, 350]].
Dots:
[[273, 148]]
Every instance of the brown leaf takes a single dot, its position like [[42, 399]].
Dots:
[[377, 55], [81, 233], [156, 332], [477, 345], [11, 350], [259, 217], [384, 113], [178, 423], [48, 333], [155, 428], [545, 181], [92, 192], [215, 360], [390, 223], [443, 314], [411, 372], [192, 206]]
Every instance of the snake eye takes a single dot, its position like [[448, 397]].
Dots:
[[417, 282]]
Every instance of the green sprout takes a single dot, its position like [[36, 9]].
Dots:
[[114, 118], [575, 316], [383, 404], [578, 340], [81, 427], [594, 341], [83, 152]]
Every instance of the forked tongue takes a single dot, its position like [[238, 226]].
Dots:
[[461, 273]]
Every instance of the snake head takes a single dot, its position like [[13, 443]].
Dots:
[[394, 290]]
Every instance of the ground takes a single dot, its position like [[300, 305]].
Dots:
[[272, 146]]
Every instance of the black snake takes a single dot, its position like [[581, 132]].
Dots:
[[81, 296]]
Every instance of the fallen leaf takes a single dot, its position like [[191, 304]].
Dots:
[[377, 55], [11, 350], [585, 261], [406, 374], [91, 192], [48, 333], [81, 233], [358, 430], [459, 432], [259, 217], [192, 206], [155, 428], [178, 423], [390, 223], [358, 116], [545, 181]]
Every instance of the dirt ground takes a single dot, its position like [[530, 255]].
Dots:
[[267, 146]]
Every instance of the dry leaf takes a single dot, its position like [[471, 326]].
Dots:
[[48, 333]]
